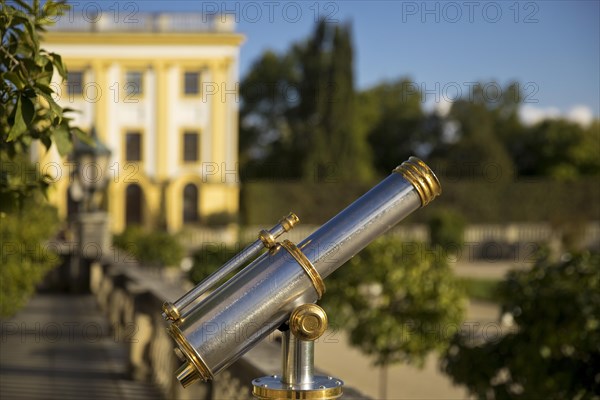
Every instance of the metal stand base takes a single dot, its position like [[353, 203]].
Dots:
[[307, 323], [323, 387]]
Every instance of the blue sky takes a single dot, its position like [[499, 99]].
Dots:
[[551, 47]]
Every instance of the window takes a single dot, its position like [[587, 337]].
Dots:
[[190, 203], [134, 198], [133, 146], [134, 83], [191, 142], [75, 83], [191, 83]]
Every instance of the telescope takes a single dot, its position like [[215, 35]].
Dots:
[[278, 289]]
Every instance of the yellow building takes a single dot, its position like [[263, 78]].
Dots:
[[161, 91]]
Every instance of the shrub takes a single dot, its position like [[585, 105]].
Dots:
[[153, 249], [447, 229], [394, 299], [208, 258], [25, 257], [554, 353]]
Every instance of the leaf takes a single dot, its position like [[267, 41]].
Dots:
[[51, 10], [60, 66], [28, 109], [45, 78], [84, 137], [46, 141], [54, 107], [62, 138], [33, 36], [14, 79], [19, 125], [19, 19], [25, 5], [44, 88], [31, 66], [29, 92]]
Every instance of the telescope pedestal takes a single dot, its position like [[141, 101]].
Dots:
[[306, 324]]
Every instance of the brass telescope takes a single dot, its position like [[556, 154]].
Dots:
[[281, 286]]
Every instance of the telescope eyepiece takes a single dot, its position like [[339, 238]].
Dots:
[[422, 178]]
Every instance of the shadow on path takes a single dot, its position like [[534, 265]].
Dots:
[[61, 347]]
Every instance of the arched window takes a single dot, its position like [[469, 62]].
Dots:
[[190, 203], [134, 203]]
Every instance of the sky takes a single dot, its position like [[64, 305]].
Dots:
[[552, 48]]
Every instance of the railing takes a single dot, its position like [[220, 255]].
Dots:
[[510, 234], [93, 19], [132, 296]]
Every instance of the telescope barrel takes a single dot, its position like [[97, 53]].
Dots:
[[174, 311], [411, 186], [249, 252], [259, 298]]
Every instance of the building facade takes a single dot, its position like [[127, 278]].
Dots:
[[161, 91]]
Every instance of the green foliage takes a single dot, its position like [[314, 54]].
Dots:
[[334, 149], [209, 258], [477, 201], [560, 149], [312, 202], [554, 352], [447, 229], [266, 116], [151, 249], [393, 120], [28, 111], [395, 299], [301, 118], [298, 118], [475, 147], [481, 288], [25, 255], [220, 219]]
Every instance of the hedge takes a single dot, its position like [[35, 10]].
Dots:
[[478, 201]]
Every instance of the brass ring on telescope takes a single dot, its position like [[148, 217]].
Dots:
[[171, 311], [422, 178], [289, 221], [194, 359], [267, 238], [305, 263], [266, 393]]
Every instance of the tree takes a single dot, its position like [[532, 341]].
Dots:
[[297, 116], [475, 150], [269, 94], [394, 122], [398, 301], [28, 114], [334, 149], [553, 352], [559, 149], [27, 110]]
